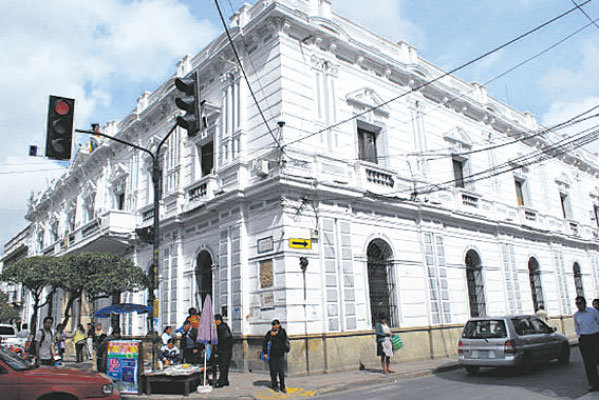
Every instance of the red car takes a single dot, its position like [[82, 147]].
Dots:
[[22, 380]]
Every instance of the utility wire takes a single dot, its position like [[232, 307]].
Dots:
[[585, 14], [450, 72], [551, 151], [222, 18]]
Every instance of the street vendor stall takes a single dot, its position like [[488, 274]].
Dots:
[[187, 374]]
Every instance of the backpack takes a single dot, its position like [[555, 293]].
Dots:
[[31, 349]]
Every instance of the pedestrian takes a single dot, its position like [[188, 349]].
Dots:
[[194, 318], [274, 346], [90, 340], [384, 347], [80, 341], [59, 340], [541, 314], [224, 350], [44, 353], [596, 303], [191, 348], [102, 349], [170, 354], [586, 324], [166, 334]]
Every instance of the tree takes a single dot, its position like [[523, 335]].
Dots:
[[99, 275], [7, 311], [35, 274]]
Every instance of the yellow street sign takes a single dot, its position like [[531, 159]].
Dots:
[[300, 243]]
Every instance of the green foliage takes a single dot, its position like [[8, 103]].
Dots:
[[7, 311], [34, 273], [100, 274]]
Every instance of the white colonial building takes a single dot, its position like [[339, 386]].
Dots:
[[402, 201]]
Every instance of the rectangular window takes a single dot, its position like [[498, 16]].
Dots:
[[207, 158], [596, 210], [367, 145], [565, 202], [120, 201], [519, 192], [458, 173], [266, 274]]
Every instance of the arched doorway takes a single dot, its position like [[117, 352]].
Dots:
[[534, 274], [578, 280], [476, 287], [204, 277], [381, 282]]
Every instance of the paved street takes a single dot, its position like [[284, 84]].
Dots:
[[547, 382]]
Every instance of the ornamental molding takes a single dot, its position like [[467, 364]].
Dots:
[[368, 98]]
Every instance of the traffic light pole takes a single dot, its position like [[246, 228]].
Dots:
[[153, 300]]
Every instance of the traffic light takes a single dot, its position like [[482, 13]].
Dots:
[[59, 133], [189, 103], [303, 263]]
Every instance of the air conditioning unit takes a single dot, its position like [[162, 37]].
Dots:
[[261, 168]]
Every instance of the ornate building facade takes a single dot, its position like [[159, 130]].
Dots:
[[442, 204]]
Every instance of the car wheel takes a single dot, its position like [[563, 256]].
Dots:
[[564, 354], [472, 370], [58, 396]]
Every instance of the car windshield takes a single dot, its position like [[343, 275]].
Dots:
[[7, 331], [15, 361], [484, 329]]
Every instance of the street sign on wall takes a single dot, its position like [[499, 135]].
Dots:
[[300, 243]]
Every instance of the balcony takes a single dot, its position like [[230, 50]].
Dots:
[[102, 233], [201, 190], [375, 178]]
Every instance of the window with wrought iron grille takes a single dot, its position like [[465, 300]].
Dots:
[[578, 280], [381, 282], [476, 287], [534, 275]]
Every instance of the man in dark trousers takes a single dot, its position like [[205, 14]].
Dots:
[[275, 345], [224, 350], [586, 324]]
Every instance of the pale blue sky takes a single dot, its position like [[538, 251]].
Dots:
[[105, 54]]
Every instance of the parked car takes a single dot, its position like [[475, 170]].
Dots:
[[9, 338], [23, 380], [511, 341]]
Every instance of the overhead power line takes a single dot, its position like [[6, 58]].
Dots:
[[222, 18], [585, 13], [450, 72]]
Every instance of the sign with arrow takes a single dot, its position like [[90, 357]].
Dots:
[[300, 243]]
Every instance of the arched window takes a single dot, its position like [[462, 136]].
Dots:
[[578, 280], [476, 287], [204, 276], [381, 282], [534, 274]]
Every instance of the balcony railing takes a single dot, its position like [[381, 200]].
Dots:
[[202, 189]]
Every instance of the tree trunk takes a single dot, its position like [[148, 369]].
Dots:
[[69, 308], [33, 322]]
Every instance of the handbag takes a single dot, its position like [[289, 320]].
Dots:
[[266, 357], [396, 342]]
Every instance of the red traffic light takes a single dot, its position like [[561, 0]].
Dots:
[[62, 108]]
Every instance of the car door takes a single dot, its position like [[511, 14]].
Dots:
[[552, 342], [9, 383]]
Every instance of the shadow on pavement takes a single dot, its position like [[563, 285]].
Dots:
[[550, 379], [261, 383]]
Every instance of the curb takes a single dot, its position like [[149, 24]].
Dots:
[[388, 379]]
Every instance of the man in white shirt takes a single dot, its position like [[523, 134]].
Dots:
[[43, 343], [586, 324]]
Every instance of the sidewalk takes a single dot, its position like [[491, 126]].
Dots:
[[256, 386]]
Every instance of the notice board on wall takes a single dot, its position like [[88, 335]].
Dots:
[[124, 363]]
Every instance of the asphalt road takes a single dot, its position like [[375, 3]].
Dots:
[[550, 381]]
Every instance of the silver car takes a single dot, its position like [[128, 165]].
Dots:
[[510, 341]]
